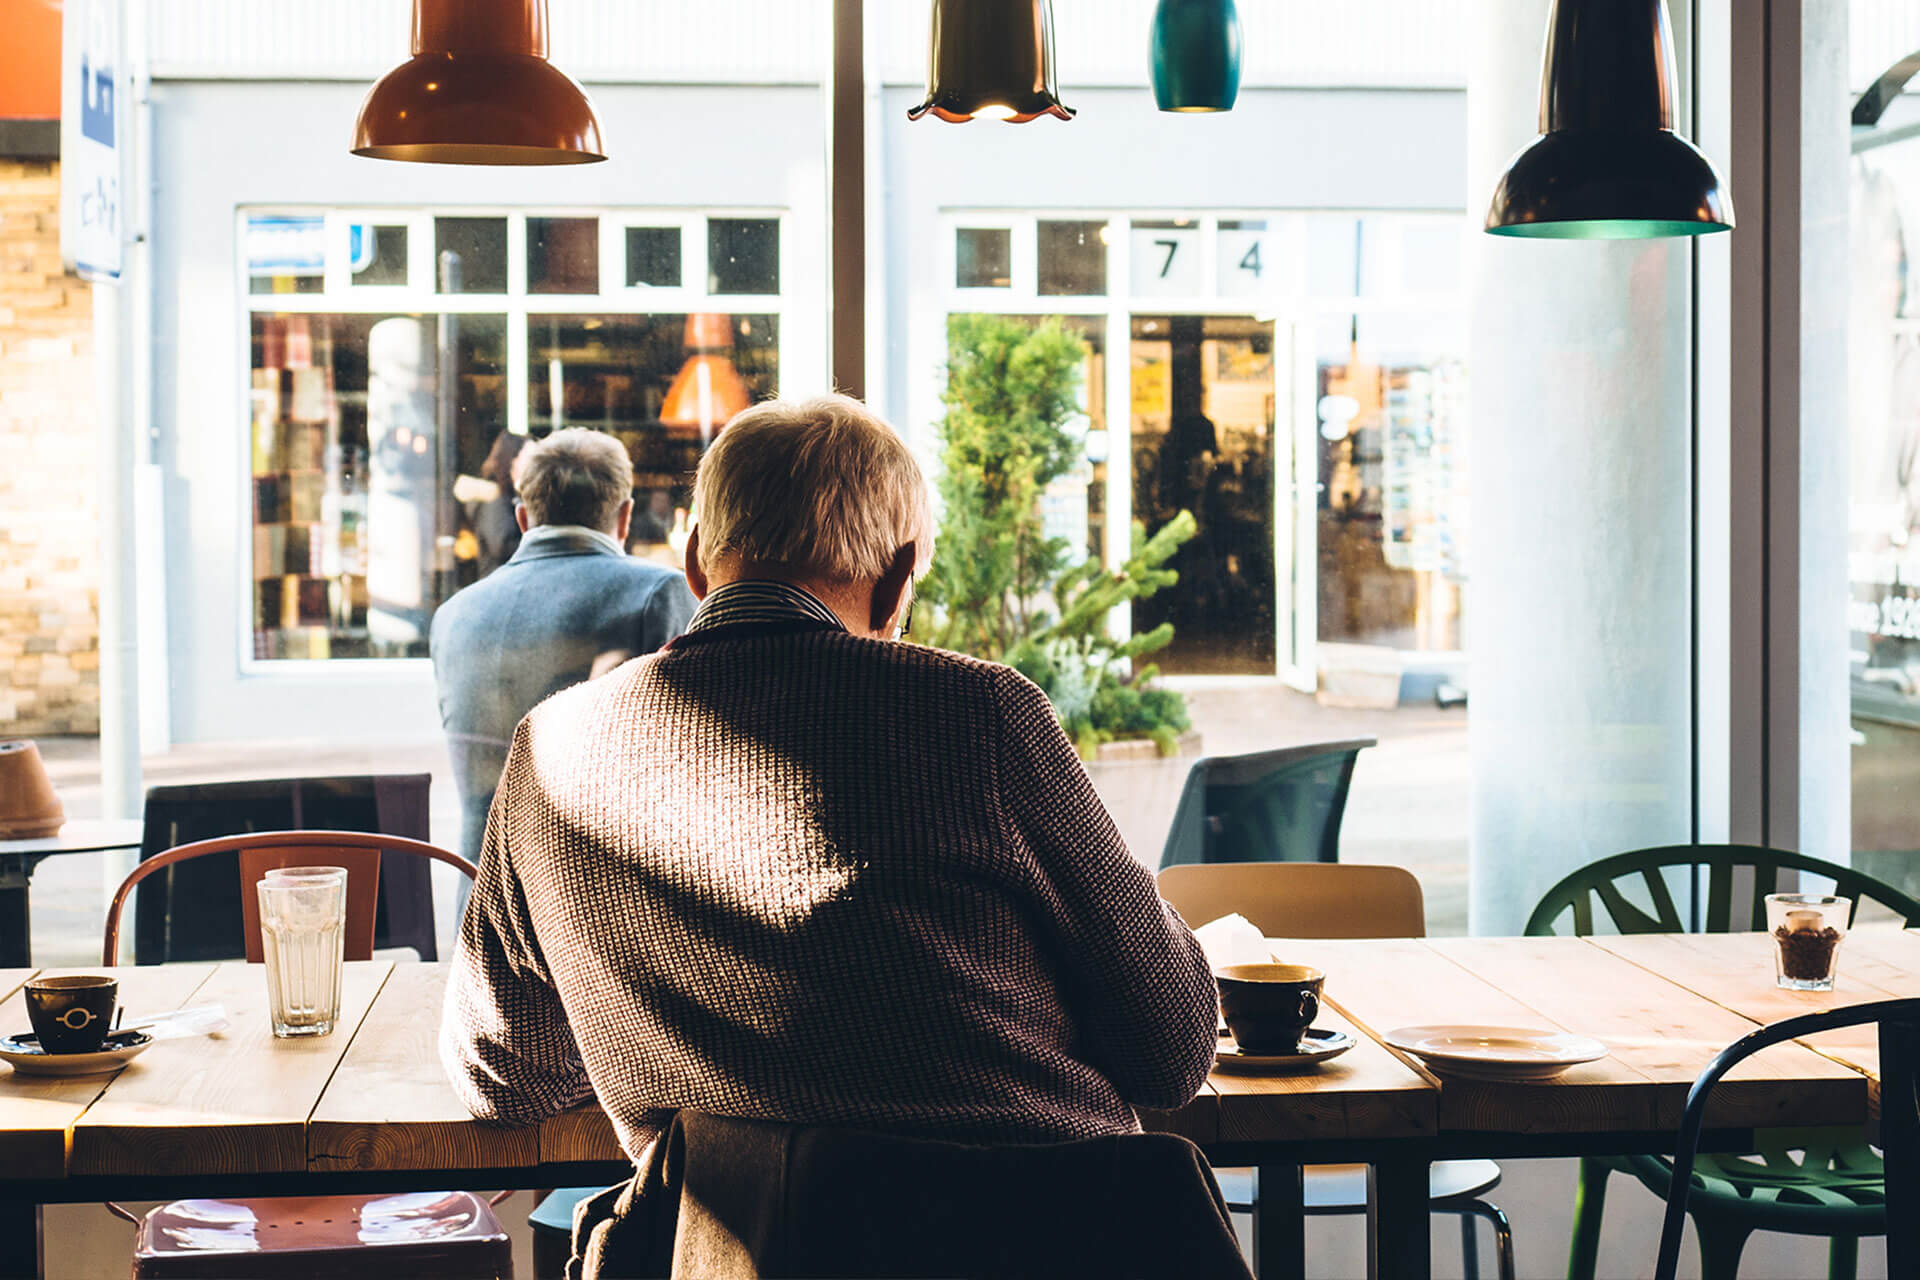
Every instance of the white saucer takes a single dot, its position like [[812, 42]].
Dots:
[[25, 1055], [1316, 1046], [1504, 1054]]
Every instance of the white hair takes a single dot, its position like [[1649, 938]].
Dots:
[[821, 487]]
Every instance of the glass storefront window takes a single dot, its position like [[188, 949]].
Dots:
[[1073, 259], [360, 425], [984, 258], [382, 434]]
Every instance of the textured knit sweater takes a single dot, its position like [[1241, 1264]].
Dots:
[[782, 872]]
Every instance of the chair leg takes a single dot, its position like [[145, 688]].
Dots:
[[1502, 1235], [21, 1257], [1843, 1258], [1589, 1201], [1469, 1249], [1721, 1243]]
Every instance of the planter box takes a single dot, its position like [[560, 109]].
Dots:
[[1141, 791], [1359, 676]]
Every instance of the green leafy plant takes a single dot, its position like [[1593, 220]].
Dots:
[[1002, 589]]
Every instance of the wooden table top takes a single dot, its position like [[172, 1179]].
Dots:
[[371, 1097]]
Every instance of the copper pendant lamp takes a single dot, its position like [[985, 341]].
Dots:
[[1607, 164], [708, 391], [478, 90], [992, 59]]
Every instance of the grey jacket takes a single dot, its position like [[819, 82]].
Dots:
[[531, 628]]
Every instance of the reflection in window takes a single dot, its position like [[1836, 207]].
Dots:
[[471, 255], [663, 384], [1391, 410], [743, 255], [983, 258], [563, 255], [653, 257], [378, 254], [286, 253], [1073, 259], [362, 424]]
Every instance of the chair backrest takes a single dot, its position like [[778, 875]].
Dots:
[[1270, 806], [1899, 1023], [261, 851], [193, 912], [1599, 890], [1301, 899]]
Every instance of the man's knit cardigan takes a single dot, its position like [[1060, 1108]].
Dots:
[[782, 872]]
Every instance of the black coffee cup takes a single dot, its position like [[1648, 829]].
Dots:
[[1268, 1007], [72, 1015]]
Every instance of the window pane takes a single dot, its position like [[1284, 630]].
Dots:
[[563, 255], [361, 426], [1073, 258], [743, 255], [472, 255], [653, 257], [664, 384], [378, 254], [286, 254], [983, 258]]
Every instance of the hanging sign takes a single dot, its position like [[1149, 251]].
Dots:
[[93, 121]]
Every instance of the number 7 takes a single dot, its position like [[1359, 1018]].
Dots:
[[1172, 247]]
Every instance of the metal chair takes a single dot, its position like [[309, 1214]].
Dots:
[[191, 913], [432, 1234], [1339, 900], [1899, 1024], [1825, 1183], [1270, 806]]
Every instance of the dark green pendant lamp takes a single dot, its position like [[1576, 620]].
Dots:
[[992, 59], [1196, 55], [1607, 164]]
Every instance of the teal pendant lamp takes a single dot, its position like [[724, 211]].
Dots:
[[1607, 164], [1195, 56]]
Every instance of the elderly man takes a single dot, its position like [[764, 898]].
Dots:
[[792, 869], [569, 604]]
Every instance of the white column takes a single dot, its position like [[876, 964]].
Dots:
[[1580, 597]]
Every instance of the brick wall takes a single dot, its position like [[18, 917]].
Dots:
[[49, 536]]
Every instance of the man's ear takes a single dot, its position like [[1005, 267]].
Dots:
[[890, 593], [521, 518], [622, 521], [696, 576]]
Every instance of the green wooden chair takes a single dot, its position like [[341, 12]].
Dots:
[[1802, 1182]]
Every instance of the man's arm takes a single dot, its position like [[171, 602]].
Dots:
[[667, 612], [504, 1037], [1143, 993]]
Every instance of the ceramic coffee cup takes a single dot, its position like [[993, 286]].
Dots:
[[1268, 1007], [72, 1015]]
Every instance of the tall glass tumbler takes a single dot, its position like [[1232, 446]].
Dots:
[[303, 919]]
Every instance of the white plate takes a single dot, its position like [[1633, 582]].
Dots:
[[1317, 1045], [29, 1059], [1509, 1054]]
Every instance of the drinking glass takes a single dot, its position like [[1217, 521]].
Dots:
[[1807, 931], [303, 918]]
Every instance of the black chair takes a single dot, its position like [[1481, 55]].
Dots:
[[192, 911], [1899, 1023], [1270, 806]]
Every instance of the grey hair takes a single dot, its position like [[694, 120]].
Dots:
[[823, 487]]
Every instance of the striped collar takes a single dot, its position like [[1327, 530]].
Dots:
[[760, 601]]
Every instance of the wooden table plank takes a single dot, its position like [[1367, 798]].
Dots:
[[236, 1102], [584, 1133], [1664, 1031], [1735, 970], [11, 980], [1382, 984], [389, 1106], [37, 1113], [1367, 1092]]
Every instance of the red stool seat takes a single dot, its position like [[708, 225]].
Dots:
[[448, 1235]]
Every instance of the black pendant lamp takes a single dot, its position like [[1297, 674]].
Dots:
[[1195, 55], [1607, 164], [992, 59]]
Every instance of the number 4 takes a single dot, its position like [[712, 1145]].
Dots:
[[1251, 262]]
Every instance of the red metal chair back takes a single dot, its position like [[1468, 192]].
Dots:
[[262, 851]]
